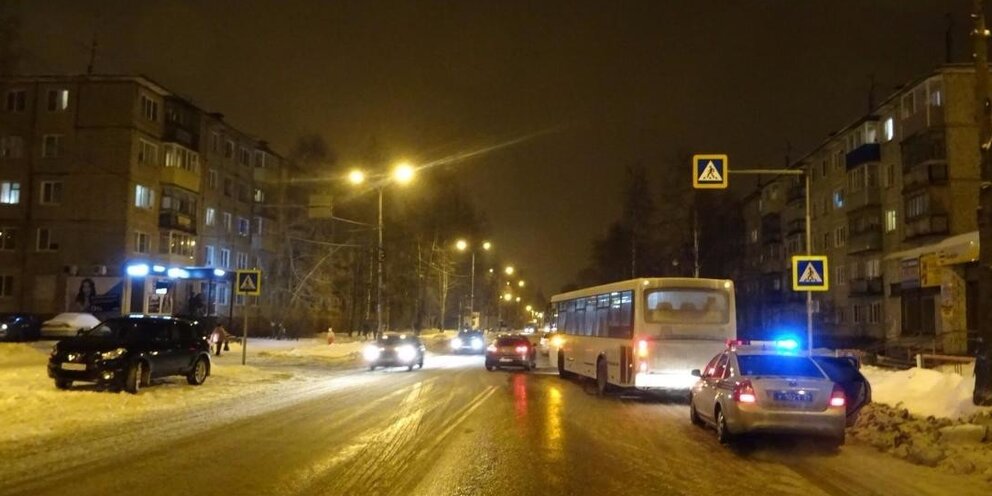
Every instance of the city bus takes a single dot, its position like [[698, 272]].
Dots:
[[647, 333]]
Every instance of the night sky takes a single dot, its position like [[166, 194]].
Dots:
[[601, 84]]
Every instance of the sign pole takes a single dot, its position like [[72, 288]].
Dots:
[[244, 334], [809, 251]]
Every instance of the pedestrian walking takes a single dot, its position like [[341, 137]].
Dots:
[[218, 338]]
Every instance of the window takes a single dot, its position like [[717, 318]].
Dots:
[[826, 240], [149, 108], [225, 258], [838, 198], [142, 242], [209, 256], [210, 217], [754, 235], [16, 100], [11, 147], [259, 158], [888, 175], [690, 306], [46, 240], [908, 104], [859, 313], [888, 129], [890, 220], [51, 193], [229, 149], [258, 195], [144, 197], [917, 206], [258, 225], [215, 142], [823, 169], [227, 221], [147, 153], [875, 313], [244, 192], [873, 268], [935, 100], [6, 286], [242, 260], [51, 145], [841, 316], [840, 275], [181, 157], [8, 238], [10, 192], [245, 157], [840, 236], [228, 186], [856, 179], [58, 100], [840, 161], [212, 179], [176, 243], [223, 294], [243, 226]]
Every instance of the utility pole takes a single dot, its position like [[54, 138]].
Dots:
[[983, 363], [381, 257]]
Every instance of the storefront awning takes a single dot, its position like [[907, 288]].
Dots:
[[962, 248]]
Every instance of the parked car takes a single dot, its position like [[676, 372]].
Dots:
[[128, 352], [68, 324], [513, 350], [395, 350], [468, 341], [762, 388], [845, 371], [19, 327]]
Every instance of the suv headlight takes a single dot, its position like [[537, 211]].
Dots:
[[113, 354], [406, 353], [371, 352], [456, 343], [476, 344]]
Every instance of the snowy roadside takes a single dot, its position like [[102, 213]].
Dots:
[[926, 417]]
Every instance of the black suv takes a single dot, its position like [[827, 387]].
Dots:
[[129, 352]]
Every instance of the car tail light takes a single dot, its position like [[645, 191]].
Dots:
[[837, 397], [522, 349], [642, 349], [744, 392]]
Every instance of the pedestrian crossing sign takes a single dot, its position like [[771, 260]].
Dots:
[[248, 283], [810, 273], [709, 171]]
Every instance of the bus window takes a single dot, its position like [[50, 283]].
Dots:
[[686, 306]]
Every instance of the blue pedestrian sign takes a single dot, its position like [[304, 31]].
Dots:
[[709, 171], [810, 273], [248, 283]]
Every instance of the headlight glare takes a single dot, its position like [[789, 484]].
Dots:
[[371, 352], [456, 343], [113, 354], [406, 353]]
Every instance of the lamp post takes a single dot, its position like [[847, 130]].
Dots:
[[402, 174], [463, 245]]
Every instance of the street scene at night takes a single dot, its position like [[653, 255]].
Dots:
[[428, 248]]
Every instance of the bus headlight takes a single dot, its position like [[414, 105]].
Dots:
[[406, 353]]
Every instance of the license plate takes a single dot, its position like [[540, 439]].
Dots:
[[73, 366], [506, 359], [792, 396]]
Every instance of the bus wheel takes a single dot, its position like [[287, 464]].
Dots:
[[601, 377]]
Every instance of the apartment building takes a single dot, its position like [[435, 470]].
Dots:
[[118, 195], [893, 203]]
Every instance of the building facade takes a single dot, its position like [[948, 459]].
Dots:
[[117, 195], [893, 201]]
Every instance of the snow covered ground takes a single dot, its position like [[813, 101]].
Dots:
[[924, 392]]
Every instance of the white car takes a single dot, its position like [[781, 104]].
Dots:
[[68, 324]]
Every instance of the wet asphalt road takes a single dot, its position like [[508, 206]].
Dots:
[[455, 429]]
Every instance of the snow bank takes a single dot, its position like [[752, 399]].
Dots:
[[923, 392], [317, 349]]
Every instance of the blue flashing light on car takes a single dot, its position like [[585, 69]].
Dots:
[[787, 344]]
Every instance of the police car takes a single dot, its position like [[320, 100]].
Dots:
[[774, 387]]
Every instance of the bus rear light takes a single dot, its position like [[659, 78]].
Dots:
[[744, 392], [837, 397], [642, 349]]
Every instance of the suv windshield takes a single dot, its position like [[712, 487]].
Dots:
[[778, 365], [395, 340], [129, 329], [686, 306]]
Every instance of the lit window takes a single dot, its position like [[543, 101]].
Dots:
[[8, 238], [225, 258], [242, 260], [211, 216], [838, 198], [888, 129], [891, 219], [10, 192], [51, 145], [58, 100], [208, 256], [227, 221], [259, 195], [223, 294], [935, 100], [212, 179], [51, 193], [147, 153], [243, 226]]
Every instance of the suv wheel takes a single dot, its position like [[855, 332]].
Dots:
[[133, 381], [198, 373], [63, 383]]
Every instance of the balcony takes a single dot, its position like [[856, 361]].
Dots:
[[863, 242], [927, 225], [265, 242], [184, 178], [869, 196], [170, 219], [796, 194], [773, 265], [932, 173], [796, 226], [868, 152], [866, 286]]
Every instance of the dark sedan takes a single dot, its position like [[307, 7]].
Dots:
[[128, 352], [513, 350], [19, 327], [468, 342], [395, 350]]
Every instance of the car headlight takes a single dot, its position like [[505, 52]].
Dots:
[[371, 352], [113, 354], [476, 344], [456, 343], [3, 327], [406, 353]]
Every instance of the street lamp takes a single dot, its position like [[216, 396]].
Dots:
[[521, 284], [402, 174], [507, 297], [509, 270], [529, 308], [463, 245]]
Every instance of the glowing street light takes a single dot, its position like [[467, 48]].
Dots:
[[487, 245], [509, 270], [518, 299], [529, 308], [521, 284], [403, 173], [461, 244], [507, 297], [356, 176]]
